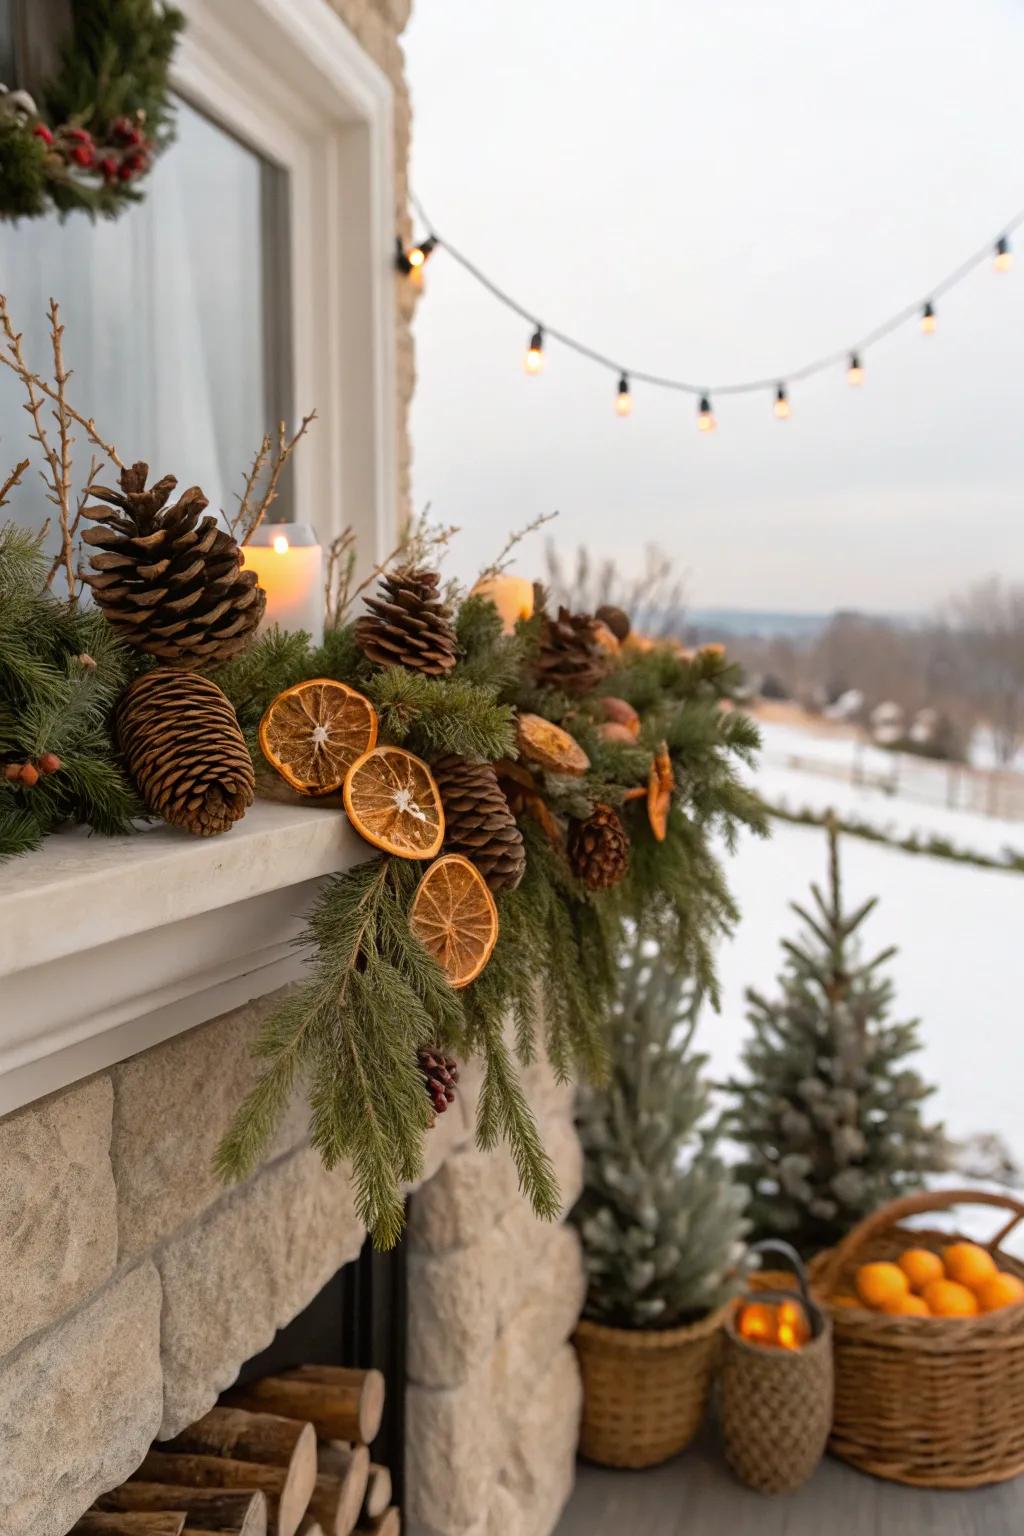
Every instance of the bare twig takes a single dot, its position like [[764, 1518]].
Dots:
[[86, 492], [418, 544], [500, 564], [13, 479], [249, 517], [12, 358], [341, 561], [62, 484]]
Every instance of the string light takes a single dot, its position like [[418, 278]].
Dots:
[[411, 262]]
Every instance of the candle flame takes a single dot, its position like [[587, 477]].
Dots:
[[280, 544]]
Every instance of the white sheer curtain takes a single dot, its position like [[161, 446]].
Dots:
[[164, 318]]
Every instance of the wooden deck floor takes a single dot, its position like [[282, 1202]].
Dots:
[[696, 1495]]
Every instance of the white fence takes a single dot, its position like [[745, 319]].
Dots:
[[985, 791]]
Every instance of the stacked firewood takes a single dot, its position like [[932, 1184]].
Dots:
[[284, 1456]]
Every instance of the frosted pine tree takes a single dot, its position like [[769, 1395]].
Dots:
[[829, 1112], [660, 1216]]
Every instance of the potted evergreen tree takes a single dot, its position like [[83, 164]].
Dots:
[[661, 1222], [829, 1112]]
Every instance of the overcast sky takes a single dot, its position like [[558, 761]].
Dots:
[[718, 190]]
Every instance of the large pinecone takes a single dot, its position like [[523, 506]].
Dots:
[[599, 849], [570, 657], [185, 750], [479, 822], [409, 625], [169, 579], [441, 1075]]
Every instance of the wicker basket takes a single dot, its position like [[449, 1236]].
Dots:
[[775, 1405], [935, 1402], [645, 1393]]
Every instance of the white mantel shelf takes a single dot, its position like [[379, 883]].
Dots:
[[110, 945]]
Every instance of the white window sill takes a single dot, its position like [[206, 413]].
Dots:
[[110, 945]]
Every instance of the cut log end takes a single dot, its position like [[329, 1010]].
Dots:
[[240, 1512], [378, 1493], [387, 1524], [342, 1404], [100, 1522]]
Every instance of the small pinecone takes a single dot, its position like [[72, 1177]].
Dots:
[[571, 657], [599, 849], [479, 822], [441, 1074], [185, 750], [409, 625], [167, 578]]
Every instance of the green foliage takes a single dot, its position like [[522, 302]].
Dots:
[[53, 701], [116, 64], [829, 1111], [433, 716], [660, 1216]]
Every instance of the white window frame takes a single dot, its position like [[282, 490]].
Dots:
[[288, 78]]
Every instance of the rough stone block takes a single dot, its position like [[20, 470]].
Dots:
[[541, 1325], [456, 1309], [506, 1516], [540, 1468], [79, 1407], [463, 1201], [452, 1451], [448, 1135], [244, 1271], [58, 1223], [172, 1104], [566, 1153]]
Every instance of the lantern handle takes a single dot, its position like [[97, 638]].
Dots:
[[788, 1252]]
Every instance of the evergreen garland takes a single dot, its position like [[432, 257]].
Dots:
[[61, 670], [104, 115], [829, 1112]]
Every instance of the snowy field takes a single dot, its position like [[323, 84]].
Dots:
[[959, 930]]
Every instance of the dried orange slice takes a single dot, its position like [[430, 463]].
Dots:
[[550, 747], [393, 802], [454, 917], [313, 733], [660, 783]]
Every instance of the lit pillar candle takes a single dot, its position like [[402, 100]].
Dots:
[[290, 566]]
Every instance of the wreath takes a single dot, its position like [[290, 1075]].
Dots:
[[104, 116], [531, 781]]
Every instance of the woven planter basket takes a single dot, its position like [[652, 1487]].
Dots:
[[645, 1393], [775, 1405], [935, 1402]]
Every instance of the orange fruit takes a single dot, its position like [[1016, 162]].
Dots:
[[454, 917], [880, 1284], [999, 1290], [393, 802], [313, 733], [921, 1266], [948, 1298], [660, 783], [908, 1305], [968, 1263], [550, 747]]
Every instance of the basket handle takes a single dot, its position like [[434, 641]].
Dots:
[[788, 1252], [916, 1205]]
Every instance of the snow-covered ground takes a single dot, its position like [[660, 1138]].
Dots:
[[960, 932]]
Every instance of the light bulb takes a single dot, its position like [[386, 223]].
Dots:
[[1004, 256], [280, 544], [417, 255], [929, 324], [705, 416], [781, 406], [855, 371], [535, 352], [623, 399]]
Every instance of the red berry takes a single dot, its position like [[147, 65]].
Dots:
[[78, 135], [125, 172], [82, 155], [108, 165], [42, 132], [12, 771], [50, 762], [123, 128], [29, 775]]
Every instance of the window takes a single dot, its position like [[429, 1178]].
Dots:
[[166, 314], [255, 281]]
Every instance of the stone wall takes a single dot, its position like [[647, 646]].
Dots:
[[494, 1394], [133, 1285]]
